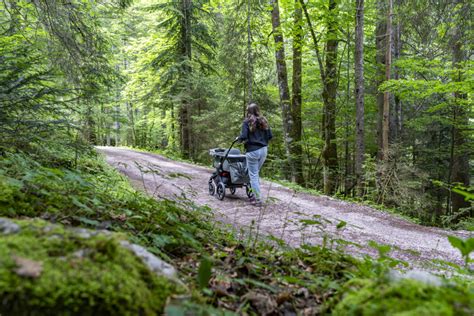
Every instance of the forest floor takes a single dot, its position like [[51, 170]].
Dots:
[[294, 217]]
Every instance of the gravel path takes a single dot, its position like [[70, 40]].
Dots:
[[289, 215]]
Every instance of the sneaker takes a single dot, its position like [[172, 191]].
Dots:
[[258, 203], [252, 200]]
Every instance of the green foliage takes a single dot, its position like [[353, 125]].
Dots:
[[67, 273], [466, 247], [405, 297], [93, 196], [204, 272]]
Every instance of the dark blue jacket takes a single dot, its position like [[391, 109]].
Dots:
[[256, 139]]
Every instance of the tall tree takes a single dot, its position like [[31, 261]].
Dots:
[[359, 93], [186, 55], [459, 165], [249, 53], [330, 84], [295, 133], [283, 87], [329, 77], [180, 60], [397, 47], [380, 37], [386, 95]]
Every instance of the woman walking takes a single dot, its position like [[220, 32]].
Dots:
[[255, 133]]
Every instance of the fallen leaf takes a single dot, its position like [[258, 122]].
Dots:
[[28, 268], [264, 304], [283, 297]]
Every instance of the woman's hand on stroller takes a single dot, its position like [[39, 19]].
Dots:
[[237, 139]]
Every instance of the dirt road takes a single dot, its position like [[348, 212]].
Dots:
[[290, 216]]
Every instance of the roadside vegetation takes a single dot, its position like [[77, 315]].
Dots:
[[221, 270]]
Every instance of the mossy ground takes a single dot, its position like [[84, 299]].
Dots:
[[405, 297], [93, 275]]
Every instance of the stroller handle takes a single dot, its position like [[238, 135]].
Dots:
[[228, 151]]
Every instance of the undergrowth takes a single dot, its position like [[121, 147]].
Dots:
[[222, 271]]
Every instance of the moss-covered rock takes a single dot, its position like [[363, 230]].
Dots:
[[48, 269], [405, 297]]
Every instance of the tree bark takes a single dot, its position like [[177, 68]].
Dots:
[[249, 53], [186, 40], [397, 47], [359, 93], [380, 31], [460, 151], [284, 90], [296, 149], [330, 164], [386, 96]]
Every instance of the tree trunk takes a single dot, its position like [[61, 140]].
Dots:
[[249, 53], [186, 40], [117, 126], [359, 93], [131, 137], [397, 46], [282, 75], [380, 31], [329, 97], [460, 151], [184, 130], [347, 178], [386, 95], [296, 149]]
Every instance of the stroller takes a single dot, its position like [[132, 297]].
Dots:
[[231, 172]]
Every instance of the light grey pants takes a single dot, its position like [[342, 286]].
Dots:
[[255, 160]]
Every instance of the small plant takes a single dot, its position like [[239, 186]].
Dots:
[[464, 246], [384, 258]]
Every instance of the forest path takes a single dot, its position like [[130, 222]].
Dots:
[[285, 209]]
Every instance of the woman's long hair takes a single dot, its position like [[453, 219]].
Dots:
[[254, 118]]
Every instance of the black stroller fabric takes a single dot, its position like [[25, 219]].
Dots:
[[238, 172], [235, 164]]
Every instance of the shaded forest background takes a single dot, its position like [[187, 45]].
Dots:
[[370, 100]]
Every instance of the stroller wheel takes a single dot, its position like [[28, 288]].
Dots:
[[220, 191], [212, 187], [248, 190], [232, 191]]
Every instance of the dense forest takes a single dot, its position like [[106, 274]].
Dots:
[[369, 101]]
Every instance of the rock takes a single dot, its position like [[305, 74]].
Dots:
[[8, 227], [58, 269], [155, 264], [424, 277], [28, 268], [88, 233], [417, 275], [81, 253], [83, 233]]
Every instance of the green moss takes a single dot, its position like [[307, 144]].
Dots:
[[79, 275], [406, 297]]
